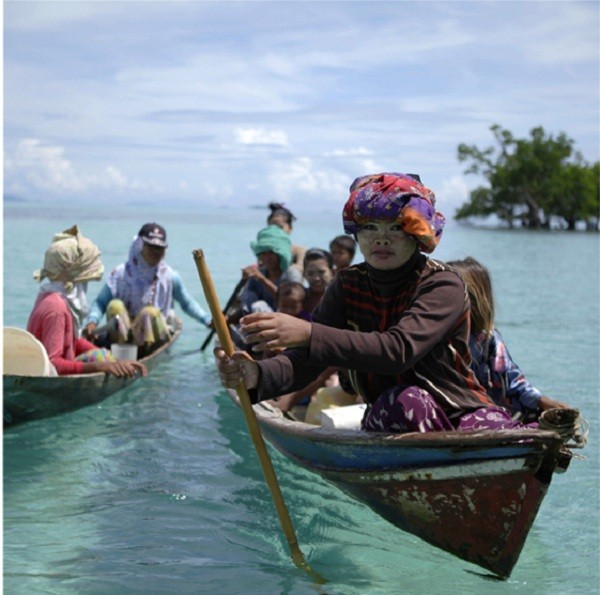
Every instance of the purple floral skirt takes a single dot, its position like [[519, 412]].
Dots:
[[412, 409]]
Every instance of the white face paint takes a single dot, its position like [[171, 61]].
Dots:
[[384, 245]]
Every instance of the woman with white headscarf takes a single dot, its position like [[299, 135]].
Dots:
[[140, 294], [61, 306]]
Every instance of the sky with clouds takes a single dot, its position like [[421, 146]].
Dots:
[[241, 103]]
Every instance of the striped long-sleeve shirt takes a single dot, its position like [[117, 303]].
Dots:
[[409, 326]]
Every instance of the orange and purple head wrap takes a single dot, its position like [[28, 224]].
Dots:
[[395, 197]]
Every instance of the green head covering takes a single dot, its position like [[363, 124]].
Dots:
[[274, 239]]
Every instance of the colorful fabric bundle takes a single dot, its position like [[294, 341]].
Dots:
[[395, 197], [149, 327], [96, 355]]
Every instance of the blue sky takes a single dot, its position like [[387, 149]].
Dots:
[[241, 103]]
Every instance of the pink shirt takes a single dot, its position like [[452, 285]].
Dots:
[[51, 322]]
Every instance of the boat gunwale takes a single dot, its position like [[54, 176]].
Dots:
[[458, 439], [20, 378], [31, 398]]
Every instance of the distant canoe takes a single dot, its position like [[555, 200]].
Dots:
[[472, 494], [27, 398]]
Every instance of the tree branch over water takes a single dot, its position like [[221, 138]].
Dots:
[[532, 181]]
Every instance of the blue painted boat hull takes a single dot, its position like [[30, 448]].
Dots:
[[472, 494]]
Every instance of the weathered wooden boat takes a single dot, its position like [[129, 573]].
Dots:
[[27, 398], [473, 494]]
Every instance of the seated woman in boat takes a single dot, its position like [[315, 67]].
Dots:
[[141, 292], [398, 321], [318, 272], [61, 305], [343, 250], [284, 218], [491, 361], [273, 250]]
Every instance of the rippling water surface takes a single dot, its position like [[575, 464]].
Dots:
[[158, 488]]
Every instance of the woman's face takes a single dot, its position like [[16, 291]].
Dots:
[[152, 254], [384, 245], [268, 260], [318, 274]]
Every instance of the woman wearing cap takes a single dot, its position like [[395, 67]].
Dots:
[[141, 291], [69, 263], [273, 250], [398, 322]]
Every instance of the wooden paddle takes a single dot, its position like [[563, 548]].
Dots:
[[251, 421], [228, 305]]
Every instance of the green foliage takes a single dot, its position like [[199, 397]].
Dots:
[[531, 180]]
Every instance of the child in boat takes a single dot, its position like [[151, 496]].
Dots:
[[318, 272], [290, 299], [491, 361], [399, 322], [141, 292], [61, 305], [343, 249]]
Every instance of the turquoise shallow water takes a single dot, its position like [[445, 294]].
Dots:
[[158, 488]]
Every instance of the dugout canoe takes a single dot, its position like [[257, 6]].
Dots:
[[473, 494], [27, 398]]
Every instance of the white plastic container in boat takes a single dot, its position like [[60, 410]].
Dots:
[[343, 418], [124, 351]]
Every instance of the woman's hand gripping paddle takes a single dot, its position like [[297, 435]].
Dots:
[[227, 344]]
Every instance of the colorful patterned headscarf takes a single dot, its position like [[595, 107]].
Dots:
[[399, 198]]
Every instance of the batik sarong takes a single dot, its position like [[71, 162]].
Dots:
[[412, 409]]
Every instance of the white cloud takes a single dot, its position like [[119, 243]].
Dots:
[[300, 179], [564, 36], [368, 166], [358, 151], [294, 96], [36, 16], [44, 167], [260, 136], [453, 193]]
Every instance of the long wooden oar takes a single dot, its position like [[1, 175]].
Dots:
[[259, 444], [228, 305]]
